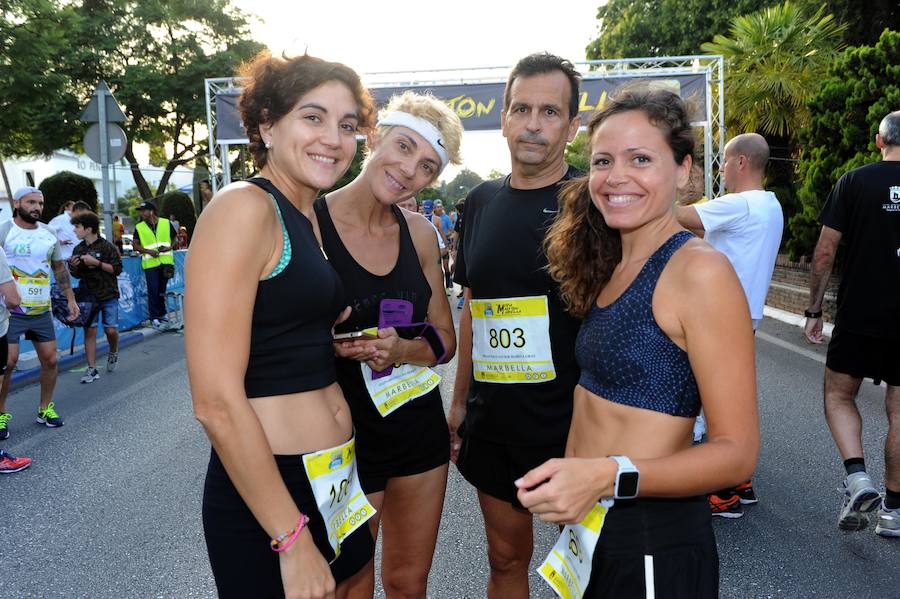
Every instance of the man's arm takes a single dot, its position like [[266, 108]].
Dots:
[[689, 219], [819, 275]]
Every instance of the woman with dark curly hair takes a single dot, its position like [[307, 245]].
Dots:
[[283, 513], [666, 329]]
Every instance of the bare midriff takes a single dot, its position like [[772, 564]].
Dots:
[[601, 428], [304, 422]]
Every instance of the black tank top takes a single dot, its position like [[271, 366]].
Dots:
[[295, 309], [364, 292]]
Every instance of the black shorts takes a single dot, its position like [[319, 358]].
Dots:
[[412, 440], [243, 563], [863, 356], [670, 541], [493, 468]]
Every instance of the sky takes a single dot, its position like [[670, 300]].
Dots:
[[405, 35]]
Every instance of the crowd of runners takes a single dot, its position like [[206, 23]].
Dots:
[[605, 374], [37, 263]]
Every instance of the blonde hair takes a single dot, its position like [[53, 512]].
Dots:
[[432, 109]]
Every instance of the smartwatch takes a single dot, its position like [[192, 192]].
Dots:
[[627, 478]]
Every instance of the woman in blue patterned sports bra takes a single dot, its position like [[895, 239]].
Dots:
[[666, 330], [283, 513]]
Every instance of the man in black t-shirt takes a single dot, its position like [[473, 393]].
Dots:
[[864, 211], [512, 400]]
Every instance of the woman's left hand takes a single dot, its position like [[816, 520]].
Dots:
[[565, 490], [385, 351]]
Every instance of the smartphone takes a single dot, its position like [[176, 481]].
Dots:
[[353, 335]]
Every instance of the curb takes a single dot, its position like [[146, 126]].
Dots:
[[21, 378]]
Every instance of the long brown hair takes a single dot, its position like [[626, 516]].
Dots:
[[582, 250]]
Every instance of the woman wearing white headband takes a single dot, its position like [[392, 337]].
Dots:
[[389, 262]]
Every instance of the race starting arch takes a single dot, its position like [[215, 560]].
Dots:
[[477, 97]]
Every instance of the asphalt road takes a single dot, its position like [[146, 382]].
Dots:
[[111, 506]]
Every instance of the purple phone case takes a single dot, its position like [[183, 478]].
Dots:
[[392, 312]]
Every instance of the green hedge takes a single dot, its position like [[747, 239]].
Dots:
[[181, 205], [64, 186]]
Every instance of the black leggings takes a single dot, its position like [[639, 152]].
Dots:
[[670, 540], [242, 562]]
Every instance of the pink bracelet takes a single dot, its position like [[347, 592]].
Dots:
[[282, 542]]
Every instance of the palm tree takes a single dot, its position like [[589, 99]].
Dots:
[[775, 60]]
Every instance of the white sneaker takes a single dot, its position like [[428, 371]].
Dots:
[[860, 498], [91, 375], [888, 523]]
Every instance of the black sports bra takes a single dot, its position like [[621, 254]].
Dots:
[[294, 312]]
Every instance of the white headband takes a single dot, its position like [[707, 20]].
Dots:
[[431, 133]]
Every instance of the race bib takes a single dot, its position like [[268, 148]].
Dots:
[[511, 340], [404, 384], [34, 291], [568, 567], [335, 485]]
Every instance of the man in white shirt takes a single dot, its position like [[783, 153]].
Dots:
[[745, 225], [65, 232]]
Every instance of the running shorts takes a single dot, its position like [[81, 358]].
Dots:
[[243, 563], [863, 356], [493, 468], [664, 544]]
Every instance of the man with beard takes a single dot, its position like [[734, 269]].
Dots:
[[32, 249], [515, 339]]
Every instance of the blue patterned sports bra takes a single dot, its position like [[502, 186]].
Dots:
[[626, 358]]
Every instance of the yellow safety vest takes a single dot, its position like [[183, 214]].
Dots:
[[150, 242]]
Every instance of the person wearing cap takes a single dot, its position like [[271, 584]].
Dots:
[[153, 242], [32, 250], [388, 262]]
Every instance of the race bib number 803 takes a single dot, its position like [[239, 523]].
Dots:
[[511, 340]]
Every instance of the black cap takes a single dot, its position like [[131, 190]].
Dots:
[[147, 206]]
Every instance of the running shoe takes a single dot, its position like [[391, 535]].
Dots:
[[860, 498], [746, 494], [49, 417], [4, 420], [112, 360], [725, 507], [888, 524], [10, 463], [91, 375]]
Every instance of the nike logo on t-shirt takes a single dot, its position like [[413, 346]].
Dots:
[[546, 211]]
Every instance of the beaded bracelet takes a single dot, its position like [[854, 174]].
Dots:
[[283, 541]]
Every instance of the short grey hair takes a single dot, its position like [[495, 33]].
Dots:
[[889, 129]]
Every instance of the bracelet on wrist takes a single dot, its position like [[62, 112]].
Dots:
[[285, 540], [811, 314]]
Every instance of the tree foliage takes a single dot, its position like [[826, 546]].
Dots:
[[577, 152], [155, 55], [38, 110], [636, 28], [464, 181], [774, 61], [64, 186], [862, 86]]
